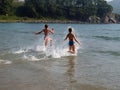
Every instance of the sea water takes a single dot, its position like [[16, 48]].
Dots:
[[96, 62]]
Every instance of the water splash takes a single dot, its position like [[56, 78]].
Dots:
[[38, 51], [20, 51], [32, 58], [57, 52]]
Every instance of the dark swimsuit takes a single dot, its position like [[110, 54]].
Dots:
[[71, 43]]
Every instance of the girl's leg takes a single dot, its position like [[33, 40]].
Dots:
[[46, 42], [51, 42], [73, 48], [70, 48]]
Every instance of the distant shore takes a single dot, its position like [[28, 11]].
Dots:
[[40, 21], [49, 21]]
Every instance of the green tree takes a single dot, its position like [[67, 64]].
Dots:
[[5, 7], [70, 9], [103, 8]]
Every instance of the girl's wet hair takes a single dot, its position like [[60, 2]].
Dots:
[[46, 26], [70, 29]]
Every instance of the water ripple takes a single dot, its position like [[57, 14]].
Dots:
[[108, 38]]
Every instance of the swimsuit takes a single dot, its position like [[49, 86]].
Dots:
[[71, 43]]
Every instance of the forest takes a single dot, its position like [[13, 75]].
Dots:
[[79, 10]]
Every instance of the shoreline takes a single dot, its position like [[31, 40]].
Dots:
[[50, 21], [40, 21]]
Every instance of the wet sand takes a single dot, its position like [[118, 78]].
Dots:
[[42, 75]]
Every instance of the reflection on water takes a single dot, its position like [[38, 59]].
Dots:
[[71, 72], [71, 69], [71, 65]]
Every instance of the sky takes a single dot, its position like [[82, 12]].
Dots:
[[109, 0], [21, 0]]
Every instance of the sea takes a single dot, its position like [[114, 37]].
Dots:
[[26, 64]]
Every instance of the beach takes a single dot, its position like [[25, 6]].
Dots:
[[40, 76], [25, 64]]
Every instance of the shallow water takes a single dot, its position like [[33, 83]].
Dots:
[[26, 64]]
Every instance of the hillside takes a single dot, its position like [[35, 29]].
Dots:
[[116, 6]]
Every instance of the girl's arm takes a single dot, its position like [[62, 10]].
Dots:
[[39, 32], [77, 40], [66, 37], [52, 30]]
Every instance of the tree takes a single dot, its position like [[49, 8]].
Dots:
[[103, 8], [70, 9], [5, 6]]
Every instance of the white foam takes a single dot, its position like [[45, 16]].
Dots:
[[20, 51], [39, 48], [5, 62], [32, 58], [58, 52], [50, 52]]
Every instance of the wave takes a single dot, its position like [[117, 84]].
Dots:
[[114, 53], [5, 62], [32, 58], [39, 53], [19, 51], [108, 38]]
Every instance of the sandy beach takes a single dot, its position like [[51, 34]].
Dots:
[[41, 76]]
